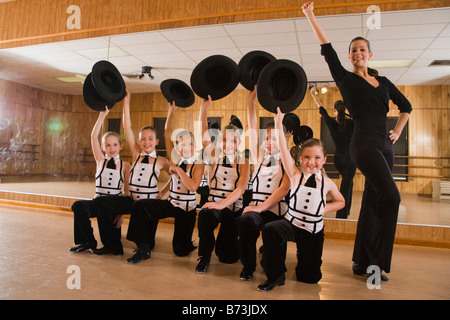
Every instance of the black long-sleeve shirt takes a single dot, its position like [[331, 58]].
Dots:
[[368, 105]]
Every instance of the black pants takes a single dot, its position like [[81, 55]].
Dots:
[[144, 222], [347, 170], [204, 194], [374, 157], [250, 225], [275, 235], [226, 243], [105, 208]]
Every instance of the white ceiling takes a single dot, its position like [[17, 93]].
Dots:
[[419, 35]]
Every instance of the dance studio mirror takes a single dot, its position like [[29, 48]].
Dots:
[[45, 125]]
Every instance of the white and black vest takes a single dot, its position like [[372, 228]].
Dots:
[[144, 179], [223, 182], [306, 206], [265, 180], [108, 182], [180, 196]]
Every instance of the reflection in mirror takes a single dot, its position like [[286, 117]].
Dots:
[[45, 125]]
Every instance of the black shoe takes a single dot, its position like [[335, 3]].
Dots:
[[267, 286], [139, 256], [105, 250], [83, 247], [361, 271], [203, 265], [358, 269], [246, 275]]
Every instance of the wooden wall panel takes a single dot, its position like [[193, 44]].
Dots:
[[28, 22]]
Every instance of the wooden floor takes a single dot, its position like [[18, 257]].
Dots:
[[414, 209], [34, 260]]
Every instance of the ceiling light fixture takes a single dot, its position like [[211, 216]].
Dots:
[[77, 78], [323, 85], [390, 63]]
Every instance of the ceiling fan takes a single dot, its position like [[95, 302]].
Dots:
[[147, 70]]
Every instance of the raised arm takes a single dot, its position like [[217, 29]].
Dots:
[[253, 126], [288, 162], [313, 91], [308, 10], [208, 147], [134, 147], [95, 143], [168, 130], [206, 140]]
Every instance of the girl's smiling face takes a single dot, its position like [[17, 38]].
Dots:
[[359, 53], [312, 159], [112, 146], [230, 142], [147, 140], [185, 146], [269, 142]]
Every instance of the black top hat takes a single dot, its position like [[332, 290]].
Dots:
[[103, 86], [301, 134], [251, 66], [92, 98], [108, 81], [178, 91], [291, 121], [236, 122], [216, 76], [282, 83]]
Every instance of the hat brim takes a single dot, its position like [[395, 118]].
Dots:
[[178, 91], [301, 134], [282, 83], [291, 121], [216, 76], [251, 65], [92, 98], [108, 81]]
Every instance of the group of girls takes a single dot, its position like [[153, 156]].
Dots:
[[287, 202]]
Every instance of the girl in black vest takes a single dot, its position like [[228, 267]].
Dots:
[[110, 202], [303, 222], [186, 175], [366, 96], [341, 131], [228, 178], [270, 186]]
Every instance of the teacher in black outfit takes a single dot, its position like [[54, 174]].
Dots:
[[367, 96], [341, 131]]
